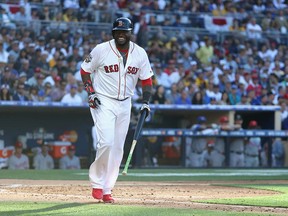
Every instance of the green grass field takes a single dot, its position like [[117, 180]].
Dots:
[[246, 176]]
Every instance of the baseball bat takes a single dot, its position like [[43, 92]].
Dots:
[[137, 132]]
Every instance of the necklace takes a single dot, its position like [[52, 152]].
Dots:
[[124, 54]]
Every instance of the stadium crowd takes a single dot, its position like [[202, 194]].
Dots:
[[41, 52]]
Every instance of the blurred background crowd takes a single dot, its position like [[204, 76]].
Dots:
[[202, 51]]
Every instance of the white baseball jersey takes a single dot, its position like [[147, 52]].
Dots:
[[111, 78], [67, 162], [21, 162], [42, 162]]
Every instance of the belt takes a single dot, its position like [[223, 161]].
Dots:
[[237, 152], [196, 152], [121, 99], [250, 155]]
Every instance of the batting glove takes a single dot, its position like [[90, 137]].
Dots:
[[147, 107], [93, 101]]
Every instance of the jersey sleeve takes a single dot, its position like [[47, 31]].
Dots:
[[90, 63], [145, 70]]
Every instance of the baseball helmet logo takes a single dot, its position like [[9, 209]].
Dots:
[[120, 23]]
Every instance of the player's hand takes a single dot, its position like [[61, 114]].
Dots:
[[147, 107], [93, 101]]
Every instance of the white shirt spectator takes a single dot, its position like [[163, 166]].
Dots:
[[254, 31], [3, 53], [18, 162], [72, 97]]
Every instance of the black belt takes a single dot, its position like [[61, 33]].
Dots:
[[121, 99], [252, 155], [237, 152], [196, 152]]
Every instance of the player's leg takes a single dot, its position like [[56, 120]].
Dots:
[[116, 153], [104, 118]]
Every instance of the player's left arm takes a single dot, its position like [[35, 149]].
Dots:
[[147, 92]]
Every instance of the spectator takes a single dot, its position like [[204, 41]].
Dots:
[[42, 160], [70, 160], [81, 91], [3, 54], [224, 99], [33, 94], [159, 96], [234, 96], [197, 98], [173, 94], [59, 90], [20, 94], [190, 45], [161, 77], [72, 97], [254, 30], [18, 160], [6, 19], [22, 17], [5, 93], [252, 147], [259, 7], [205, 52], [183, 98]]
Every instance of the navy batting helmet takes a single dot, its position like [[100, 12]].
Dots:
[[201, 119], [123, 24]]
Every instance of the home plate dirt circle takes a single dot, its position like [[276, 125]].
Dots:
[[158, 194]]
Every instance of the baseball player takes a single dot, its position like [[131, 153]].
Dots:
[[195, 146], [70, 161], [116, 66], [219, 147], [252, 147], [43, 161], [237, 145], [18, 160]]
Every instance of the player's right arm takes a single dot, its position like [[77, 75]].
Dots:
[[88, 66]]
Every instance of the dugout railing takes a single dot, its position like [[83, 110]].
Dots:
[[267, 136]]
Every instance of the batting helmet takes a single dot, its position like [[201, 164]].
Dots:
[[223, 119], [253, 123], [123, 24], [201, 119]]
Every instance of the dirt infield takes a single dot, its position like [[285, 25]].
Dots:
[[160, 194]]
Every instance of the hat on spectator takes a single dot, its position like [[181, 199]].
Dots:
[[57, 79], [234, 86], [73, 86], [18, 144], [40, 76], [71, 148], [264, 75], [22, 74], [238, 117], [210, 143], [193, 63], [253, 123], [201, 119], [41, 38], [254, 76], [223, 119], [37, 70], [5, 86]]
